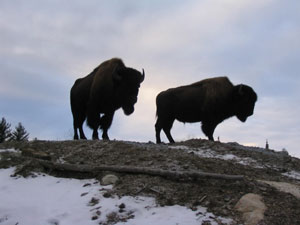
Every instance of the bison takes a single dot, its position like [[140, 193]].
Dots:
[[97, 96], [210, 101]]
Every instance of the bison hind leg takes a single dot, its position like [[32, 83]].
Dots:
[[81, 133], [82, 136], [158, 128], [168, 134], [166, 125], [75, 134], [77, 124]]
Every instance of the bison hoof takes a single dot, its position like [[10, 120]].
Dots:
[[105, 138]]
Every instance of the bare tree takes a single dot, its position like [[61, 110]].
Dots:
[[19, 134], [5, 131]]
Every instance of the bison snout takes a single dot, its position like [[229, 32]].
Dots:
[[128, 110]]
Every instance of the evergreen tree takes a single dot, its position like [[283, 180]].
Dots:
[[19, 134], [5, 131]]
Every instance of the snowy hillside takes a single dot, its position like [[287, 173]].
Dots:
[[53, 183]]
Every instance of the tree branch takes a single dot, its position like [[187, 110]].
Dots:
[[136, 170]]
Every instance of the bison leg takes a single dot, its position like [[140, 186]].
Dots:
[[81, 133], [75, 133], [80, 123], [93, 122], [95, 134], [208, 129], [158, 128], [168, 133], [105, 123], [77, 124], [166, 125]]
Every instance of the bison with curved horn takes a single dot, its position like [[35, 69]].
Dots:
[[210, 101], [97, 96]]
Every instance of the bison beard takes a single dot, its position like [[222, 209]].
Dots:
[[97, 96], [210, 101]]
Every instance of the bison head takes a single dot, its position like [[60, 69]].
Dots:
[[127, 82], [244, 98]]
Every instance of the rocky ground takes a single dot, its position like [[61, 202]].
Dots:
[[275, 176]]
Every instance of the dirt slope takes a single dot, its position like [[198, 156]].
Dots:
[[218, 195]]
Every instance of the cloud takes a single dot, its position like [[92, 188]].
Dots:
[[45, 46]]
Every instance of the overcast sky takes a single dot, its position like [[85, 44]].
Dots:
[[46, 45]]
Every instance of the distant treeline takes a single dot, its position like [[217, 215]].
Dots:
[[18, 134]]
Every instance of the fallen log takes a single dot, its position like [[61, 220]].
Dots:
[[135, 170]]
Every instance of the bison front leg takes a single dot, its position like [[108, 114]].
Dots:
[[93, 122], [208, 129], [105, 123]]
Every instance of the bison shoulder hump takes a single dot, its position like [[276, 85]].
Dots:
[[113, 63]]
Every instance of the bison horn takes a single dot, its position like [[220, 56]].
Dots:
[[143, 76]]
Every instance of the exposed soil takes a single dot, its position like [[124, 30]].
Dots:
[[218, 195]]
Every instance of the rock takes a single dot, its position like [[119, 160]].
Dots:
[[284, 187], [87, 185], [252, 208], [109, 179], [107, 195], [95, 217], [122, 206], [227, 198], [93, 202], [35, 154]]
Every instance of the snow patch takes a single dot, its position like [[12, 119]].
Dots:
[[49, 200], [209, 153], [180, 147], [293, 174], [10, 150]]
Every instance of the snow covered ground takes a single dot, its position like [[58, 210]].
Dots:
[[293, 174], [209, 153], [47, 200]]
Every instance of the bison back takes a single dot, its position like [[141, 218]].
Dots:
[[193, 103], [215, 93]]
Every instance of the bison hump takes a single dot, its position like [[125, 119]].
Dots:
[[216, 93]]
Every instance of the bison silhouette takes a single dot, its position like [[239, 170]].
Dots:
[[210, 101], [97, 96]]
